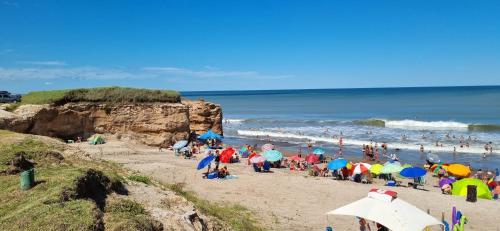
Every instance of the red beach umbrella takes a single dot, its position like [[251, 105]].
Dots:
[[225, 156], [312, 159], [296, 158]]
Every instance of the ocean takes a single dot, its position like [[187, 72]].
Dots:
[[453, 122]]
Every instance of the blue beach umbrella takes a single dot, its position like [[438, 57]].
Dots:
[[413, 172], [319, 151], [210, 135], [180, 144], [205, 161], [337, 164], [272, 155]]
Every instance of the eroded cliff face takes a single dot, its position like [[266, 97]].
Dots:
[[149, 123]]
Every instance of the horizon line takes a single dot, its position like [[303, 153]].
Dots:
[[346, 88]]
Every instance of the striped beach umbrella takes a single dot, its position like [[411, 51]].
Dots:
[[361, 168]]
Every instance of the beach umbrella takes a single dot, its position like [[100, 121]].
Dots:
[[360, 168], [386, 209], [180, 144], [296, 158], [267, 147], [272, 155], [210, 135], [319, 151], [375, 169], [337, 164], [391, 168], [446, 181], [312, 159], [460, 188], [226, 154], [459, 170], [205, 161], [257, 159], [349, 165], [413, 172], [243, 149]]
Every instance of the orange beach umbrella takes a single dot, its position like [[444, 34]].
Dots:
[[459, 170]]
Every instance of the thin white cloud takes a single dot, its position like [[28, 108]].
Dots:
[[45, 63], [86, 73], [64, 73], [209, 72]]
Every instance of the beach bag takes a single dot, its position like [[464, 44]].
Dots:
[[471, 193]]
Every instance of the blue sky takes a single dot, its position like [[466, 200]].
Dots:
[[231, 45]]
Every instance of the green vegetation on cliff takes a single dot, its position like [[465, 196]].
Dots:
[[101, 95]]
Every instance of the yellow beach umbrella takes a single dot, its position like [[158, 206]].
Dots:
[[349, 165], [375, 169], [459, 170]]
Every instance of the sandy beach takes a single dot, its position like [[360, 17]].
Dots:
[[285, 200]]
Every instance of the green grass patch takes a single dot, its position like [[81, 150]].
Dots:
[[140, 178], [101, 95], [237, 216], [123, 214]]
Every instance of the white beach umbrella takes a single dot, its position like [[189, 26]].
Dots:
[[384, 208]]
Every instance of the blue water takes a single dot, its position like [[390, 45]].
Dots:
[[447, 115]]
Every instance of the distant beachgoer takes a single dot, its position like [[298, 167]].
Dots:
[[421, 148]]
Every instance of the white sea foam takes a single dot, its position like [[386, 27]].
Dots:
[[424, 125], [391, 145], [235, 121]]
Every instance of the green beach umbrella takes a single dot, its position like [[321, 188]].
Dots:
[[375, 169], [391, 168], [460, 188], [272, 155]]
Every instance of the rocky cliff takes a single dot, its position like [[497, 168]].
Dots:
[[149, 123]]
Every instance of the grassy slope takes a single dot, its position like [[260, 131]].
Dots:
[[40, 208]]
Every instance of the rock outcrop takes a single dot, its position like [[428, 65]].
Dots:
[[149, 123]]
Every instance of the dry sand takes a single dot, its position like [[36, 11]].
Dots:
[[285, 200]]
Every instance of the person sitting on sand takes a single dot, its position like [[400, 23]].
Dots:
[[223, 172]]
